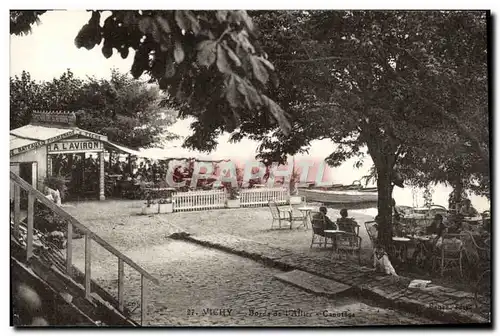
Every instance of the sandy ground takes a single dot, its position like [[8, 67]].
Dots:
[[180, 265], [194, 278]]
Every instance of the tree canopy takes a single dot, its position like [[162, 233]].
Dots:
[[409, 86], [209, 60], [128, 111]]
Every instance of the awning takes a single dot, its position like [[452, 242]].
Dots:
[[122, 149]]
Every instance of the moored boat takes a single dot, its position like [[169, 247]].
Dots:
[[341, 194]]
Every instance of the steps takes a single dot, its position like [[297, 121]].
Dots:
[[42, 273], [54, 264]]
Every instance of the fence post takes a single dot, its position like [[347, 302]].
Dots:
[[143, 300], [17, 208], [69, 250], [29, 234], [87, 266], [120, 284]]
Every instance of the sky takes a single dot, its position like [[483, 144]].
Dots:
[[50, 50]]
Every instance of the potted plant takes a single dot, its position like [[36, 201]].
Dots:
[[166, 205], [233, 200], [150, 207]]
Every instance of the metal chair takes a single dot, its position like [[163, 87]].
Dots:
[[371, 229], [449, 254], [318, 223], [348, 225], [280, 215], [349, 244], [475, 256]]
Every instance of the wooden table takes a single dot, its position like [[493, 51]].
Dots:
[[306, 212]]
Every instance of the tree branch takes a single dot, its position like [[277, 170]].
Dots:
[[320, 59]]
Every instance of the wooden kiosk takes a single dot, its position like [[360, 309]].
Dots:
[[50, 133]]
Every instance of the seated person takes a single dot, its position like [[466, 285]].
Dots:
[[346, 224], [467, 210], [318, 217], [437, 226]]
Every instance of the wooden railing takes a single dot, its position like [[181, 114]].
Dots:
[[261, 196], [90, 236]]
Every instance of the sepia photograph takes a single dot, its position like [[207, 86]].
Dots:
[[250, 168]]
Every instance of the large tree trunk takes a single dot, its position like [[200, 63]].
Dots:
[[458, 189], [384, 188]]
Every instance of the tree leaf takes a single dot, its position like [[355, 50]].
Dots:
[[178, 52], [123, 52], [107, 51], [232, 55], [222, 62], [181, 20], [278, 114], [155, 32], [259, 71], [206, 54], [163, 23], [195, 25], [145, 25], [221, 15], [251, 95], [232, 92], [246, 19], [266, 62], [169, 68]]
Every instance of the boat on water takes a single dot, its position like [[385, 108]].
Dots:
[[339, 194]]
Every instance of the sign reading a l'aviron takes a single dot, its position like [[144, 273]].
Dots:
[[75, 146]]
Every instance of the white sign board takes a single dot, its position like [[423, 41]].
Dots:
[[75, 146]]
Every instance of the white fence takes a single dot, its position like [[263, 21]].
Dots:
[[199, 200], [261, 196], [216, 199]]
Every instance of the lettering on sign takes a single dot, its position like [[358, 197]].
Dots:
[[75, 146], [90, 134], [26, 148], [38, 144]]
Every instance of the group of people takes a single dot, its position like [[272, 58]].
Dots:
[[343, 223]]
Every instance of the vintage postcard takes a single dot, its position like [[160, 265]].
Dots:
[[250, 168]]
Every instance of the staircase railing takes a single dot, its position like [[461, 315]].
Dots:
[[90, 236]]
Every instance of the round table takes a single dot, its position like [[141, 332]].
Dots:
[[333, 234], [306, 211]]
